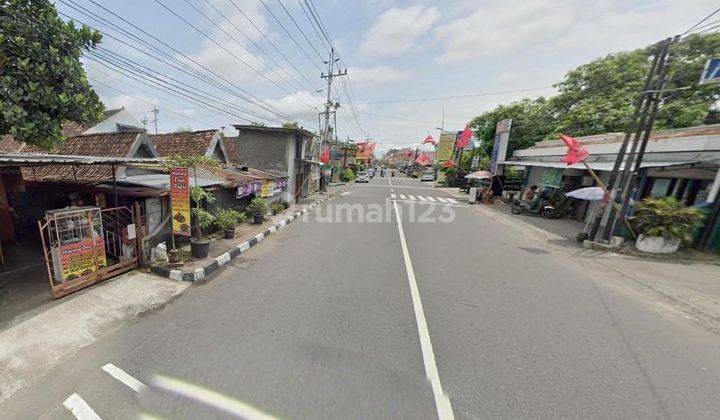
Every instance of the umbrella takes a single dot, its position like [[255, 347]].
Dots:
[[589, 194], [479, 175]]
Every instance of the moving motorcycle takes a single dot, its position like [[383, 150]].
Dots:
[[542, 209]]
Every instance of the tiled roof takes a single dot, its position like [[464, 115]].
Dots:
[[231, 149], [103, 144], [183, 143], [8, 144], [72, 129], [701, 130]]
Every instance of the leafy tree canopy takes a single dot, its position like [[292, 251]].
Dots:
[[598, 97], [42, 80]]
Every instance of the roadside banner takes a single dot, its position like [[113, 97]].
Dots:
[[500, 145], [446, 146], [78, 259], [180, 201]]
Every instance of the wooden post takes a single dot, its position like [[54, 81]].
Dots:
[[138, 234], [612, 201]]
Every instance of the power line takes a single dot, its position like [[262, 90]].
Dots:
[[159, 84], [211, 39], [152, 73], [700, 22], [391, 117], [307, 15], [253, 43], [443, 98], [244, 95], [318, 20], [292, 38], [95, 81], [287, 12], [269, 41]]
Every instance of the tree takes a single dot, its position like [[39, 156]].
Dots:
[[42, 80], [291, 124], [183, 129], [532, 121], [598, 97]]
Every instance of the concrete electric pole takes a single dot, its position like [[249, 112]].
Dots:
[[155, 112], [330, 107]]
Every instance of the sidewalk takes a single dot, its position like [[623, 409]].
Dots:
[[44, 337], [247, 235], [689, 286], [35, 345]]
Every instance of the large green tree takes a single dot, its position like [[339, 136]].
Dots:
[[598, 97], [42, 81], [532, 121]]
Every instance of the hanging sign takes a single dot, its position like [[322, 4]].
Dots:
[[244, 190], [266, 190], [180, 201]]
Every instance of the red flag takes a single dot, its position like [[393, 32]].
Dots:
[[429, 139], [325, 156], [422, 159], [409, 153], [576, 153], [448, 164], [463, 139]]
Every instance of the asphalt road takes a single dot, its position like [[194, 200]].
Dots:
[[363, 318]]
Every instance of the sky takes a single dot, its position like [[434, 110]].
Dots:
[[412, 66]]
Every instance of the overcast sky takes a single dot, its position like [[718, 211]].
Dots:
[[400, 55]]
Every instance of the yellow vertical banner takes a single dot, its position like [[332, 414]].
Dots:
[[180, 201], [446, 146]]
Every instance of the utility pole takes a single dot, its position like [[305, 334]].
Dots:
[[330, 107], [637, 124], [155, 112]]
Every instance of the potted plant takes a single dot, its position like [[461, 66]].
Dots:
[[276, 208], [226, 219], [199, 244], [664, 224], [258, 208]]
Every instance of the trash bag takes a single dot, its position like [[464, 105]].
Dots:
[[160, 253]]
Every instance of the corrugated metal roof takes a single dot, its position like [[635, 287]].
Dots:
[[24, 159]]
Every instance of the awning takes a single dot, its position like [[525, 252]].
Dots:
[[162, 181], [597, 166]]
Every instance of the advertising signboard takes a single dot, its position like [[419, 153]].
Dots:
[[500, 146], [446, 146], [180, 201], [78, 258]]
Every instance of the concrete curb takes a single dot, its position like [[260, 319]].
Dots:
[[234, 252]]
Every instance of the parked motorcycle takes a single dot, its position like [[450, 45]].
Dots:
[[543, 209]]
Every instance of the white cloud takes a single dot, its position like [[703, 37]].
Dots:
[[297, 106], [398, 30], [378, 75], [581, 29]]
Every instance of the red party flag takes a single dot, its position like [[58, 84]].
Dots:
[[448, 164], [409, 153], [429, 139], [325, 156], [576, 153], [463, 139]]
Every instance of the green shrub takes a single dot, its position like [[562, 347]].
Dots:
[[226, 219], [285, 204], [667, 217], [258, 205], [348, 175], [276, 208]]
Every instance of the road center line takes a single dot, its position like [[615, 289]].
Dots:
[[442, 402], [390, 182], [79, 408], [124, 377]]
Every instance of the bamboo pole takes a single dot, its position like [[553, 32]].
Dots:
[[612, 201]]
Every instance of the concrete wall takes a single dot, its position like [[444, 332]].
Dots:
[[266, 151]]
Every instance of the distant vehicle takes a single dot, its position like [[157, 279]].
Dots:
[[428, 176], [362, 177]]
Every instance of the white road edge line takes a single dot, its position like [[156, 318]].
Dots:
[[442, 402], [124, 377], [214, 399], [390, 182], [79, 408]]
